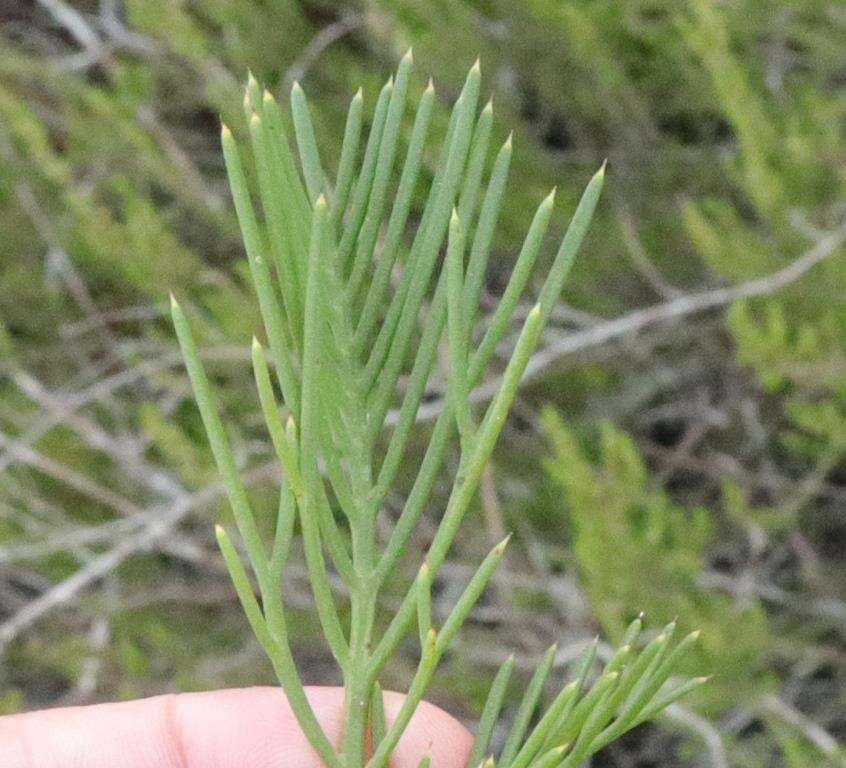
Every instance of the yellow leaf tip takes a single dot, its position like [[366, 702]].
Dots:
[[477, 65]]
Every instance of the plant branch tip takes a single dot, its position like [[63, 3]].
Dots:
[[503, 545]]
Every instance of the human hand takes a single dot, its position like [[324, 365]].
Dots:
[[242, 728]]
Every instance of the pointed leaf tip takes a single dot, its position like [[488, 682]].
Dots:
[[550, 198], [174, 304], [431, 85], [225, 133], [477, 65], [509, 140], [409, 55], [489, 106], [501, 547]]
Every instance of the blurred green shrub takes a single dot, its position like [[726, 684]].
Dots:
[[635, 550]]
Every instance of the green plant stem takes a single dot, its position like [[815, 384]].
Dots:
[[310, 511], [396, 223], [349, 154], [221, 450], [490, 713], [527, 707], [315, 178], [279, 652]]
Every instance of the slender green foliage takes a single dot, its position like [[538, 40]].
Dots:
[[339, 342]]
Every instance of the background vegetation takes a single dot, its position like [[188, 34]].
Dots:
[[679, 446]]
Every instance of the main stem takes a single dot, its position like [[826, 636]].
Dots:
[[363, 610]]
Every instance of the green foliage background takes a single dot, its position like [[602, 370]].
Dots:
[[696, 469]]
